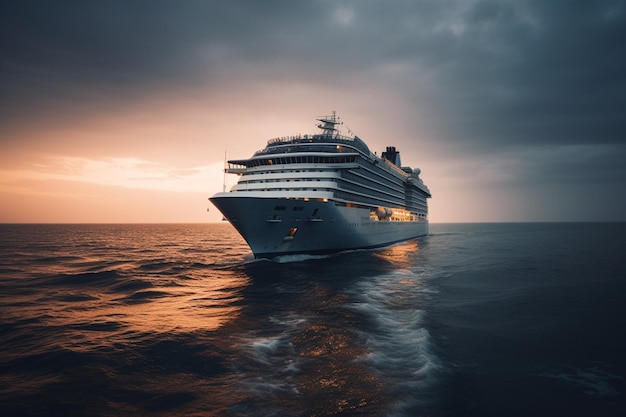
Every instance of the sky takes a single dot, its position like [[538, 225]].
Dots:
[[123, 111]]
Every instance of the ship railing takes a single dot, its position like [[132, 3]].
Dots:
[[308, 138], [317, 138], [238, 169]]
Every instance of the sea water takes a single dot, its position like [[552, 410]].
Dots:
[[521, 319]]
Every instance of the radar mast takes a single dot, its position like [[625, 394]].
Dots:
[[328, 124]]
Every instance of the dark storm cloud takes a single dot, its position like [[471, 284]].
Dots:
[[89, 51], [556, 78], [493, 73]]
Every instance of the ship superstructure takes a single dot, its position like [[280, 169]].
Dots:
[[322, 193]]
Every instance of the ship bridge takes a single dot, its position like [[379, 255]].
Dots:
[[306, 141]]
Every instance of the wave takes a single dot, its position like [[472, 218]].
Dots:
[[271, 364], [76, 298], [400, 347], [145, 296], [99, 278], [285, 259], [131, 285], [158, 266], [593, 381], [105, 326]]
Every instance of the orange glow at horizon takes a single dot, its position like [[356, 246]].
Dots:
[[153, 161], [160, 160]]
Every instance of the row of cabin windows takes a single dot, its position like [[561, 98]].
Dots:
[[301, 208], [375, 190], [370, 200], [385, 178], [287, 180], [345, 185], [288, 171], [287, 189], [381, 197], [303, 159], [374, 197]]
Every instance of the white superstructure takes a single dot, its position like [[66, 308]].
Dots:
[[323, 193]]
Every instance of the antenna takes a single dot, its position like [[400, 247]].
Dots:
[[328, 124], [224, 181], [224, 175]]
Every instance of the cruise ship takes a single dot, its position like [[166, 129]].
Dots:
[[323, 193]]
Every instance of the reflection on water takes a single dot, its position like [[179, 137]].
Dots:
[[129, 320], [307, 360], [401, 255], [400, 348], [138, 319], [334, 377]]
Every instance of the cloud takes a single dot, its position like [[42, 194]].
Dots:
[[499, 72], [71, 189], [129, 173], [513, 90]]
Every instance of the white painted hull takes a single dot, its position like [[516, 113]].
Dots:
[[320, 226]]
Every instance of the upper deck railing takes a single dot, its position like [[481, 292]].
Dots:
[[318, 138]]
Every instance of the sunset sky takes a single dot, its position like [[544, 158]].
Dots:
[[121, 111]]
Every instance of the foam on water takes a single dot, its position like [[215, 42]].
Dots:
[[284, 259], [400, 346], [270, 364]]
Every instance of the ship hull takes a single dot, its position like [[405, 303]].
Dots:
[[282, 226]]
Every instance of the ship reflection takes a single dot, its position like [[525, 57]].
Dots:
[[297, 351], [400, 255], [333, 378]]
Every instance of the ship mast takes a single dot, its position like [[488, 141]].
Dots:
[[328, 124], [224, 176], [224, 182]]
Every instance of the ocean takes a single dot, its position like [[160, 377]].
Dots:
[[517, 319]]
